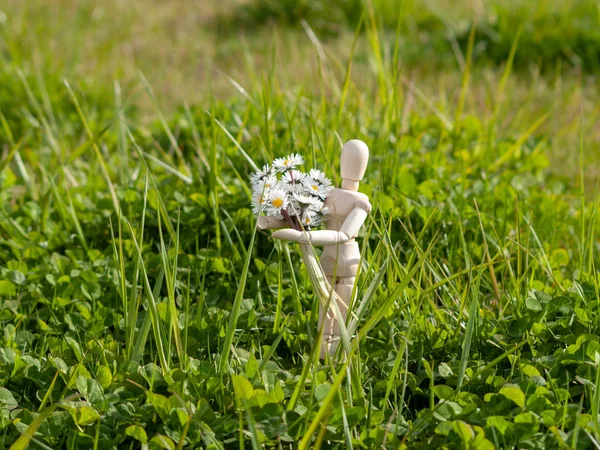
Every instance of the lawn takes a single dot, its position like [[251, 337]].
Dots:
[[141, 307]]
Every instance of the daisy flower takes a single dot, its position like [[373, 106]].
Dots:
[[265, 184], [278, 200], [293, 188], [289, 162], [311, 219], [315, 188], [259, 201], [293, 176], [260, 174], [301, 202], [319, 176]]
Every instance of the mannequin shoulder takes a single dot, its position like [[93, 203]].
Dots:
[[362, 201], [344, 201]]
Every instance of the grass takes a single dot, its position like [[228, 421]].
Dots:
[[141, 306], [189, 58]]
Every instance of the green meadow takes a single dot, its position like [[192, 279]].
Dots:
[[140, 306]]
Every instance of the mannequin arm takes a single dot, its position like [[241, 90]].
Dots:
[[354, 221], [321, 237], [267, 223], [325, 237], [349, 230]]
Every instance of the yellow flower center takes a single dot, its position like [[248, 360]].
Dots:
[[286, 162], [315, 187], [277, 202]]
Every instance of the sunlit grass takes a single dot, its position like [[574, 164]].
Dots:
[[136, 292]]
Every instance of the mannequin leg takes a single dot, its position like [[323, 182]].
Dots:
[[343, 288], [331, 330], [326, 318]]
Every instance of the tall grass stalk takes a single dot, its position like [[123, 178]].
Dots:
[[235, 309]]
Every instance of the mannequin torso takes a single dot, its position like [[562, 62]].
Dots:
[[342, 260]]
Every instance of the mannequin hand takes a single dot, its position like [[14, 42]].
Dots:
[[287, 235], [304, 237], [291, 235], [263, 223], [267, 223]]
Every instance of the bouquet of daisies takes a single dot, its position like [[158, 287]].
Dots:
[[284, 192]]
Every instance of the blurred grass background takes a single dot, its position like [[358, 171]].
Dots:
[[190, 51]]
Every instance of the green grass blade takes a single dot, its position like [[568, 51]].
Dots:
[[24, 440], [466, 346], [235, 310], [152, 308], [103, 167]]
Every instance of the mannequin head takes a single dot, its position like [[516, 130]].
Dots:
[[353, 163]]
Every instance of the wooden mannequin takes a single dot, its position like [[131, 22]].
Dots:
[[346, 210]]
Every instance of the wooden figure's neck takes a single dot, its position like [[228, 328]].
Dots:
[[350, 185]]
